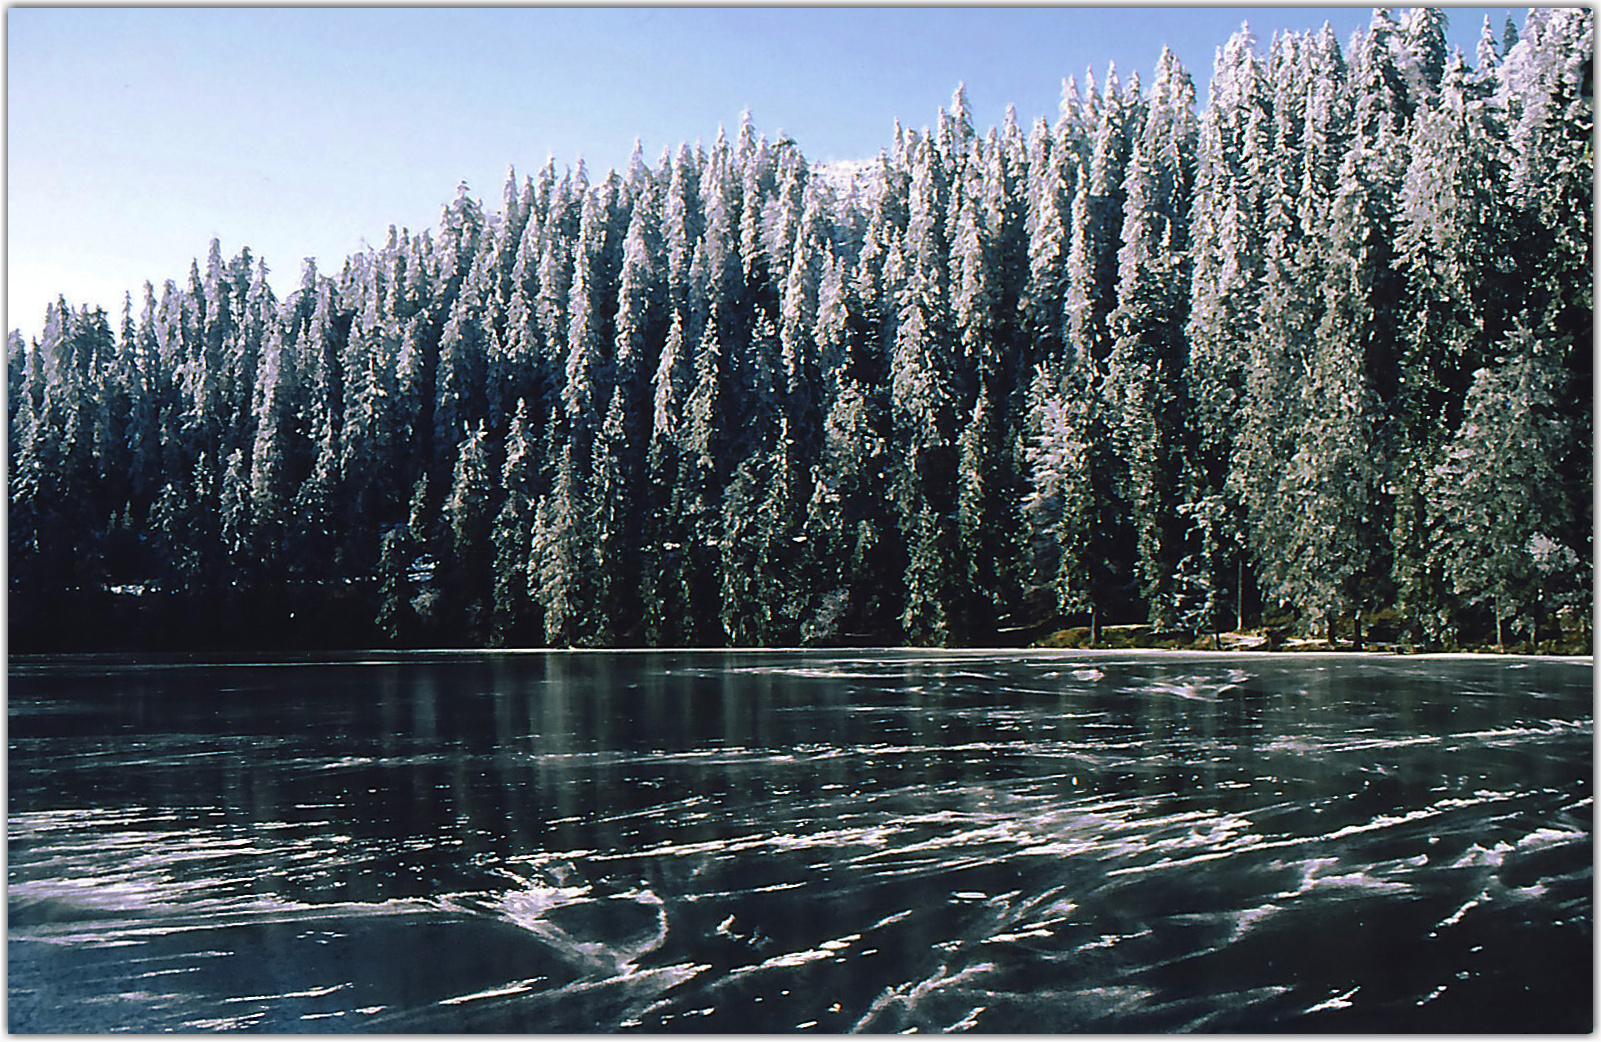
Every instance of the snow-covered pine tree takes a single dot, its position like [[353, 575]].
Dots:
[[511, 609], [1422, 53], [1337, 557], [279, 447], [1547, 92], [1496, 504], [368, 441], [924, 406], [1061, 506], [693, 564], [557, 552], [589, 369], [1273, 404], [990, 265], [1234, 147], [1147, 411], [1452, 232], [1053, 177], [681, 225]]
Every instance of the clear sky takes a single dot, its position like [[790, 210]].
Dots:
[[135, 136]]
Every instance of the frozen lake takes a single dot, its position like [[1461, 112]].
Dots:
[[773, 841]]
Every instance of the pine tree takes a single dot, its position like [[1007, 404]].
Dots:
[[461, 225], [681, 226], [462, 374], [1547, 94], [469, 511], [975, 292], [1495, 502], [1337, 558], [395, 616], [1091, 292], [718, 282], [556, 557], [1061, 505], [805, 259], [1423, 53], [511, 610], [1068, 394], [619, 460], [1310, 130], [1487, 57], [925, 407], [1053, 177], [691, 572], [550, 319], [1451, 235], [850, 547], [587, 385], [662, 538], [613, 562], [1144, 391], [761, 521], [1233, 150], [369, 440]]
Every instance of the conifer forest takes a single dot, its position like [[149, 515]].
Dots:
[[1316, 354]]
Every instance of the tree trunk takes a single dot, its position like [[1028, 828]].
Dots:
[[1495, 606], [1239, 594], [1356, 629]]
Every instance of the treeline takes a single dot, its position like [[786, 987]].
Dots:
[[1319, 352]]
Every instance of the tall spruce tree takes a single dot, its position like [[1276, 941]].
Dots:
[[1145, 395], [1496, 503]]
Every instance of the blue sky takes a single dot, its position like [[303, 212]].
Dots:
[[136, 135]]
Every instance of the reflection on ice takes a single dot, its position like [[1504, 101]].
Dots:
[[884, 842]]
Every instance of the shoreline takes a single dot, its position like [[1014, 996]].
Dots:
[[385, 656]]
